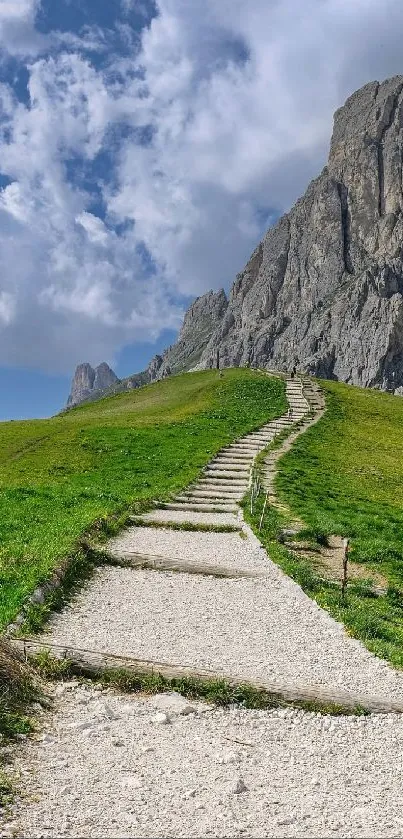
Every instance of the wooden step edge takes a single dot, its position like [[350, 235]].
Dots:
[[86, 662], [127, 559], [186, 526], [194, 508]]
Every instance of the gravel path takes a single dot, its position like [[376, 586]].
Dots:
[[226, 549], [106, 767], [252, 628]]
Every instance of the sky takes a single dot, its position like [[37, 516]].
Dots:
[[145, 147]]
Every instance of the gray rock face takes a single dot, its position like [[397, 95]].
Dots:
[[88, 383], [201, 320], [104, 377], [323, 290]]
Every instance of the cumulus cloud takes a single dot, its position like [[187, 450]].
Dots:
[[134, 181]]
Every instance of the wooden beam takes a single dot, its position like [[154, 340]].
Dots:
[[184, 566], [91, 663]]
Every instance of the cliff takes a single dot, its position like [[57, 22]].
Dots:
[[200, 322], [323, 290]]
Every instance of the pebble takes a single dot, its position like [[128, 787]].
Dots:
[[162, 718], [237, 786]]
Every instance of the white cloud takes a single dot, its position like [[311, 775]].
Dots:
[[94, 227], [7, 308], [236, 100], [17, 29]]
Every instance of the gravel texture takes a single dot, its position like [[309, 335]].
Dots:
[[113, 766], [227, 549], [253, 628]]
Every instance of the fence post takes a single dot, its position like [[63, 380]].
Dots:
[[344, 579], [264, 510]]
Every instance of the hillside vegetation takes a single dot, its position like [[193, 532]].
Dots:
[[345, 476], [59, 476]]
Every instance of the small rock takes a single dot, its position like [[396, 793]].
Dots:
[[38, 596], [228, 756], [286, 820], [173, 703], [60, 690], [117, 742], [145, 749], [162, 718], [47, 738], [105, 711], [190, 793], [80, 726], [238, 786]]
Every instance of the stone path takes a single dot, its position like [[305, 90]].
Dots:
[[109, 765]]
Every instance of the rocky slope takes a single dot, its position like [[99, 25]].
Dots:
[[201, 320], [323, 290]]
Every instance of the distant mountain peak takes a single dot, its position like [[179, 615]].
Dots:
[[89, 382]]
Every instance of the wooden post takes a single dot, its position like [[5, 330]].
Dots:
[[344, 579], [218, 360], [264, 510]]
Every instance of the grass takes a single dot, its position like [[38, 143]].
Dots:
[[18, 686], [344, 476], [70, 477]]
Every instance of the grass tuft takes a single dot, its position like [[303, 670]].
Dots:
[[19, 685], [219, 692]]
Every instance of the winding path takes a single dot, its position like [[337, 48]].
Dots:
[[214, 602]]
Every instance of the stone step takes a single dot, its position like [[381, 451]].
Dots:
[[201, 508], [229, 463], [225, 486], [207, 497], [225, 476], [229, 498], [244, 448], [242, 458], [228, 467], [261, 441]]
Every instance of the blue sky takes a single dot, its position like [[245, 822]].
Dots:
[[144, 150]]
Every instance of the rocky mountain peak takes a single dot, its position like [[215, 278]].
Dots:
[[323, 290], [87, 382]]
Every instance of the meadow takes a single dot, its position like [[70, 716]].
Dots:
[[344, 476]]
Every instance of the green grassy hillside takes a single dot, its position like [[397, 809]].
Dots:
[[345, 476], [58, 476]]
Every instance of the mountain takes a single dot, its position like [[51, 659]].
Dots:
[[201, 319], [88, 382], [323, 289]]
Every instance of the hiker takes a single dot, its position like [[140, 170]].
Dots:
[[294, 372]]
